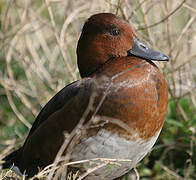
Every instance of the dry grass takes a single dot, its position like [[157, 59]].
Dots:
[[37, 55]]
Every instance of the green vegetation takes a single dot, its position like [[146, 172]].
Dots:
[[174, 156]]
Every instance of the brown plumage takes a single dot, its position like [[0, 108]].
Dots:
[[111, 60]]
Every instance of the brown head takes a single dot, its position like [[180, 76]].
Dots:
[[105, 37]]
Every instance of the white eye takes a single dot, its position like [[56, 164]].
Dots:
[[115, 32]]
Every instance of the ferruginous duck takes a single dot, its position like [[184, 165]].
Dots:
[[127, 111]]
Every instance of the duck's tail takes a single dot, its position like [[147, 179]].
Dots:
[[10, 159]]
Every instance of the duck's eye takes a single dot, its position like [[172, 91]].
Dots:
[[115, 32]]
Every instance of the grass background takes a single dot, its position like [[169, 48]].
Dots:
[[38, 41]]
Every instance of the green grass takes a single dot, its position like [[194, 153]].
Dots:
[[175, 148]]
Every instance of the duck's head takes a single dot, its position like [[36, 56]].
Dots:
[[105, 37]]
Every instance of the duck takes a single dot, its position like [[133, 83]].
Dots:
[[116, 110]]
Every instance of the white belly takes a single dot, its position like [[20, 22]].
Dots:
[[111, 146]]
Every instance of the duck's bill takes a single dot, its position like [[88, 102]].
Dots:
[[141, 50]]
